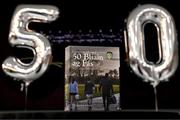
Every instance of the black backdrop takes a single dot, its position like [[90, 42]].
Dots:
[[47, 93]]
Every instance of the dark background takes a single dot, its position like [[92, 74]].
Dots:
[[47, 92]]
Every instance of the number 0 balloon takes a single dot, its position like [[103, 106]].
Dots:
[[168, 46]]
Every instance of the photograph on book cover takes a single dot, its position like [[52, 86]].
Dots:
[[92, 78]]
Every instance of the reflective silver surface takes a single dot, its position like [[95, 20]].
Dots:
[[167, 40], [21, 36]]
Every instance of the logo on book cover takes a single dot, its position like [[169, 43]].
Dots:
[[109, 55]]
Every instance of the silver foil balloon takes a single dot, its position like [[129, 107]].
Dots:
[[167, 42], [21, 36]]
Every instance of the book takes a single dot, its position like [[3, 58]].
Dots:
[[85, 70]]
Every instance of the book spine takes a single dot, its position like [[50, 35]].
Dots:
[[67, 74]]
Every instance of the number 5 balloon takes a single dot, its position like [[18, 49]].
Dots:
[[21, 36]]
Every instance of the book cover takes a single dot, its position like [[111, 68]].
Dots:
[[92, 78]]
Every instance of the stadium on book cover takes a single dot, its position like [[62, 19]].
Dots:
[[92, 79]]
